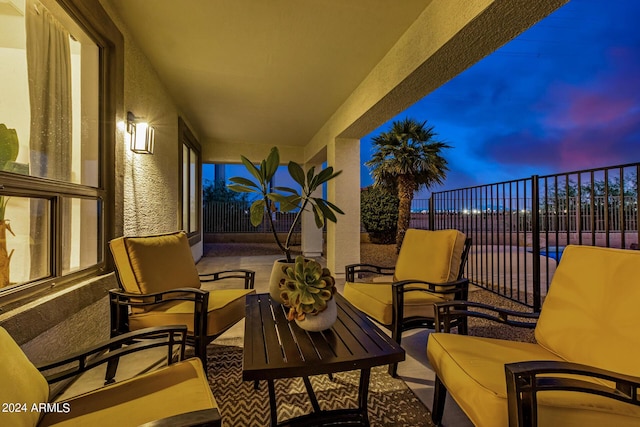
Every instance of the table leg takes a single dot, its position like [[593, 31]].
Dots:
[[312, 395], [363, 394], [272, 403]]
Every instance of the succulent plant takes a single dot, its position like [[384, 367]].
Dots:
[[307, 288]]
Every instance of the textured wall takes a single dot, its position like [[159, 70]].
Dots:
[[62, 322], [150, 182]]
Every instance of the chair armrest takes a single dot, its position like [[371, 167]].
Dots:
[[447, 313], [352, 269], [249, 276], [460, 287], [205, 417], [525, 379], [131, 342], [120, 297]]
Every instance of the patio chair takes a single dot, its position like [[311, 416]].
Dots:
[[583, 369], [429, 269], [174, 395], [161, 286]]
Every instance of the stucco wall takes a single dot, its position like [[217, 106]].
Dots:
[[150, 182], [61, 322]]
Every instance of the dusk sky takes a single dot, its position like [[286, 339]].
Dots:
[[563, 96]]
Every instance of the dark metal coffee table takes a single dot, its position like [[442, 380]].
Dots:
[[276, 348]]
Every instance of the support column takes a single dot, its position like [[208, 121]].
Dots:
[[311, 239], [343, 237]]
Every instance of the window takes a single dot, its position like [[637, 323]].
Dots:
[[56, 145], [191, 182]]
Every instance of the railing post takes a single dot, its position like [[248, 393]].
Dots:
[[535, 241], [432, 213]]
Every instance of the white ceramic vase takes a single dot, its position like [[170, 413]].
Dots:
[[321, 321], [276, 276]]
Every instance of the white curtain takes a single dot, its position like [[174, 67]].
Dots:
[[49, 71]]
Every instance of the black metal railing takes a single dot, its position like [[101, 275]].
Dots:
[[520, 228], [233, 217]]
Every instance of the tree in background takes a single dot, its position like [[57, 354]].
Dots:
[[217, 191], [379, 214], [406, 159]]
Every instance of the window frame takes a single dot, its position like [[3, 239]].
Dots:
[[188, 139], [97, 24]]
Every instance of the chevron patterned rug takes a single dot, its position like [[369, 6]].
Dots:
[[391, 402]]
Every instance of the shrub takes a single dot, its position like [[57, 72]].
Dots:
[[379, 214]]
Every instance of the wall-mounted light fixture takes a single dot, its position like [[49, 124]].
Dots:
[[142, 134]]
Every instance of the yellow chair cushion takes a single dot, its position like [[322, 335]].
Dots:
[[226, 307], [22, 384], [590, 315], [155, 263], [172, 390], [432, 256], [376, 300], [472, 370]]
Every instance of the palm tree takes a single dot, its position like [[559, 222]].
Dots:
[[407, 158]]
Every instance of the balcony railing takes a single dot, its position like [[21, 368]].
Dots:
[[233, 217], [519, 228]]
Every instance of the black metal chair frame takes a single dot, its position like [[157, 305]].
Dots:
[[459, 288], [526, 379], [452, 313], [120, 303], [161, 336]]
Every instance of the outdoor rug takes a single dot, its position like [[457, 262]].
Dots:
[[391, 402]]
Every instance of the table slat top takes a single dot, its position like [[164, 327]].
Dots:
[[276, 348]]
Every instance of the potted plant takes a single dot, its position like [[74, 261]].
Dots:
[[308, 291], [9, 148], [289, 200]]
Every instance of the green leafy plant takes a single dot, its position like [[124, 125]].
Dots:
[[379, 214], [9, 148], [307, 288], [289, 199]]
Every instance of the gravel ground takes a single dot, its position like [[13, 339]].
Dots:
[[385, 255]]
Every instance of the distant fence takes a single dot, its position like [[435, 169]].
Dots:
[[233, 217], [520, 228]]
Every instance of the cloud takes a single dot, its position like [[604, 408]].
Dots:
[[579, 126], [561, 97]]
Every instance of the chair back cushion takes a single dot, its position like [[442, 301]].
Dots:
[[155, 263], [432, 256], [590, 314], [22, 384]]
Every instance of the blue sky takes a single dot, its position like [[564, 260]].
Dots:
[[563, 96]]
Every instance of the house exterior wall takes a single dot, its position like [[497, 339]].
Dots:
[[147, 187], [150, 182]]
